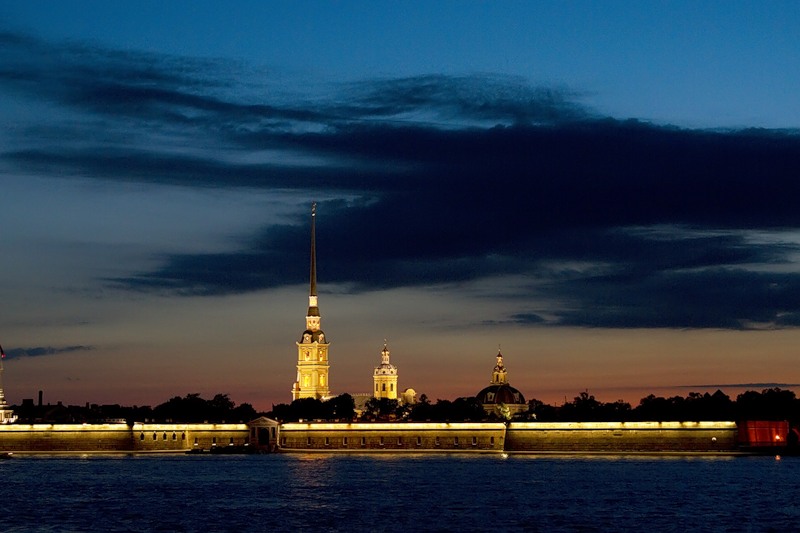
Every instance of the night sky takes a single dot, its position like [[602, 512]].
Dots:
[[607, 191]]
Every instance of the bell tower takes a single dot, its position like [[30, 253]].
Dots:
[[312, 349], [385, 377]]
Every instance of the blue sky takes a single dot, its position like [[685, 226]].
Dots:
[[605, 190]]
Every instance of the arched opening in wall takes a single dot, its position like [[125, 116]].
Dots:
[[231, 442], [165, 435], [174, 436], [155, 437], [141, 437], [183, 436]]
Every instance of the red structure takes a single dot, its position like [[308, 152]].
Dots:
[[763, 434]]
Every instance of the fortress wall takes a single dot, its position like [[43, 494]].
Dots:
[[65, 438], [177, 437], [374, 437], [622, 437], [78, 438]]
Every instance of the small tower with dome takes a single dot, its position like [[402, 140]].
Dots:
[[385, 377], [500, 398]]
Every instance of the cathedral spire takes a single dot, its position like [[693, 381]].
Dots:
[[313, 291], [313, 309]]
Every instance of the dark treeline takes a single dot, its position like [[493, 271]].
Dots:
[[769, 404], [188, 409]]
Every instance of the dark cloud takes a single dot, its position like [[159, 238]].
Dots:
[[615, 223], [40, 351]]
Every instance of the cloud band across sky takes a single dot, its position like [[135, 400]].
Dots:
[[434, 180]]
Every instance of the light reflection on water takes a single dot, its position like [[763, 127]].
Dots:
[[341, 492]]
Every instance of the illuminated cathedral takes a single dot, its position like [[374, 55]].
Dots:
[[312, 349]]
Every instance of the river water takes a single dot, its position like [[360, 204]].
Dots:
[[392, 492]]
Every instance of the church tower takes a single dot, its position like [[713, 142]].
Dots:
[[6, 414], [312, 350], [385, 377]]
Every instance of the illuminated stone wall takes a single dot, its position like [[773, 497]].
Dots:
[[120, 437], [175, 437], [621, 437], [65, 438], [531, 437], [393, 437]]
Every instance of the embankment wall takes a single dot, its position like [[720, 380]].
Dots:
[[621, 437], [77, 438], [394, 437], [528, 437]]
